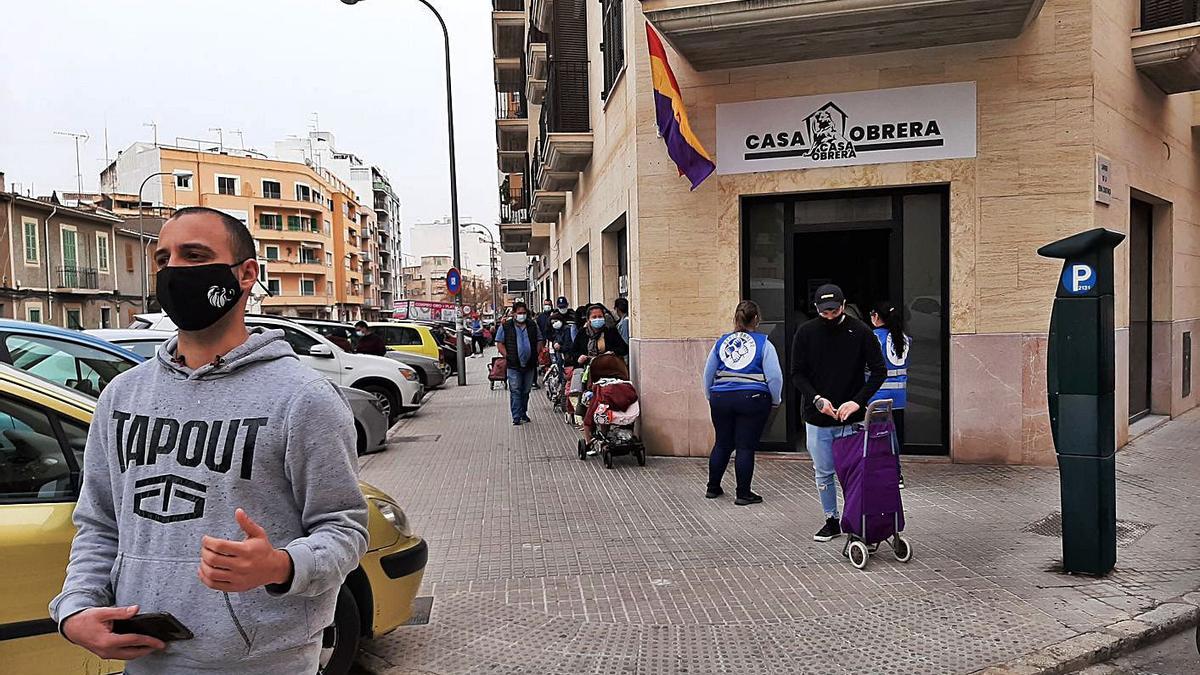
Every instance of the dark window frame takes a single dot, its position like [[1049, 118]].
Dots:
[[612, 44]]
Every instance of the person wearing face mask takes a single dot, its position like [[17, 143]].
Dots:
[[830, 353], [597, 337], [543, 319], [369, 341], [257, 454], [519, 343]]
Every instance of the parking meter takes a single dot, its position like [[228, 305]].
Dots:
[[1080, 381]]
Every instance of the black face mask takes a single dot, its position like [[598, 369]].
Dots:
[[198, 296], [830, 323]]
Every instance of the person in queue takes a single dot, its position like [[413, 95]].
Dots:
[[598, 336], [743, 384], [519, 343], [830, 353], [888, 322]]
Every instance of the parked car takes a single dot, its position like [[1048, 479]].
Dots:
[[43, 428], [396, 385], [431, 371], [65, 357], [407, 337], [336, 332], [370, 421]]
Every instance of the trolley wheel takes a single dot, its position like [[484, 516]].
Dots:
[[641, 455], [901, 548], [857, 551], [582, 448], [608, 457]]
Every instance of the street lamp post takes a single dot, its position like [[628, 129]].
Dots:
[[458, 321], [491, 264], [142, 231]]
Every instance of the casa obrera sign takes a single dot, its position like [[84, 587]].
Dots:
[[863, 127]]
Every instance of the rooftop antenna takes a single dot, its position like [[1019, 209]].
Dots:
[[241, 138], [78, 171], [220, 138], [153, 124]]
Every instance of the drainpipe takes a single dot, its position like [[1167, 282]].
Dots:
[[49, 293], [12, 255]]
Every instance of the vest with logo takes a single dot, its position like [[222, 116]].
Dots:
[[740, 362], [895, 386]]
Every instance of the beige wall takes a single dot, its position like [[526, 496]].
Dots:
[[1048, 101]]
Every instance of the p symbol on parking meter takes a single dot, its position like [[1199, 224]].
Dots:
[[1078, 278]]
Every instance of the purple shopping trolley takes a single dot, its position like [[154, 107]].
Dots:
[[868, 468]]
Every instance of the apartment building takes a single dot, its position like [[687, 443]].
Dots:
[[291, 209], [917, 157], [427, 281], [374, 188], [67, 266]]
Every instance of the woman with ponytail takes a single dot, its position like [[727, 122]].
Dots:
[[743, 383], [888, 320]]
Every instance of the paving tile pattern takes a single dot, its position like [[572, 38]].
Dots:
[[543, 563]]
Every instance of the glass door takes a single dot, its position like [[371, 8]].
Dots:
[[1141, 217]]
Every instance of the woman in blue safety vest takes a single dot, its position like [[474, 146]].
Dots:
[[888, 321], [743, 383]]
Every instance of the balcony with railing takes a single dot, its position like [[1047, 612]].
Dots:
[[1166, 46], [719, 34], [564, 128], [508, 28], [79, 278], [514, 213], [512, 115], [546, 204], [536, 63]]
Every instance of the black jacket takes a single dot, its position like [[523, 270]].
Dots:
[[831, 362], [371, 343], [612, 342]]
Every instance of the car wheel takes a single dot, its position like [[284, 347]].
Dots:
[[391, 406], [360, 442], [339, 641]]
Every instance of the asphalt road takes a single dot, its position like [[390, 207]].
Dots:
[[1176, 656]]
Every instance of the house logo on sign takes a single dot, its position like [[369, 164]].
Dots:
[[827, 135]]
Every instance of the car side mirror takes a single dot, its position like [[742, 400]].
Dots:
[[320, 351]]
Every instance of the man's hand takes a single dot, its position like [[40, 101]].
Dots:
[[239, 566], [825, 406], [846, 410], [583, 359], [92, 630]]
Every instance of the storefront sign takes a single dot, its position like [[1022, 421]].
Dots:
[[1103, 178], [865, 127], [423, 310]]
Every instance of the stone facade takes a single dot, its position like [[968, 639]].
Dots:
[[1048, 102]]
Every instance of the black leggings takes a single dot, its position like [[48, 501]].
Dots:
[[739, 418]]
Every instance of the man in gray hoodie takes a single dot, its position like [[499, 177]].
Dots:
[[219, 482]]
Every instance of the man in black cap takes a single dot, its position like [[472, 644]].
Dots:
[[830, 355]]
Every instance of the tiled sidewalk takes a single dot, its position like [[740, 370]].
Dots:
[[541, 563]]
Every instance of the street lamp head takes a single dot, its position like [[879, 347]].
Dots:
[[350, 2]]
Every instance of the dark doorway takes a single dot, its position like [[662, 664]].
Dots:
[[859, 261], [1141, 226], [877, 245]]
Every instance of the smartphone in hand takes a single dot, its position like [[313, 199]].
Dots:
[[159, 625]]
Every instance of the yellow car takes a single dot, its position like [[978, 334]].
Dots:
[[407, 337], [43, 428]]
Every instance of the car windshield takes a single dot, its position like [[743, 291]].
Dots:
[[85, 369]]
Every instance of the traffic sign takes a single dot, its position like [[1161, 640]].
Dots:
[[453, 281]]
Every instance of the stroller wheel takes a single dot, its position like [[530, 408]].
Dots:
[[641, 455], [579, 445], [902, 548], [857, 551], [608, 458]]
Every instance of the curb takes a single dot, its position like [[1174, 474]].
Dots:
[[1107, 642]]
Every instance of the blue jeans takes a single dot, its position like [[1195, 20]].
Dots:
[[820, 446], [738, 417], [519, 384]]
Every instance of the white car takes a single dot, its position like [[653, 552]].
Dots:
[[396, 385]]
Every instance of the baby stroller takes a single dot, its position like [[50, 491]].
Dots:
[[611, 410], [498, 372], [868, 468], [552, 379]]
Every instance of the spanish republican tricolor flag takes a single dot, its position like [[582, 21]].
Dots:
[[682, 145]]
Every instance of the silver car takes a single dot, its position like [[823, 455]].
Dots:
[[430, 371], [370, 421]]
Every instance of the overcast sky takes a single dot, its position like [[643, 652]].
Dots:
[[373, 72]]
